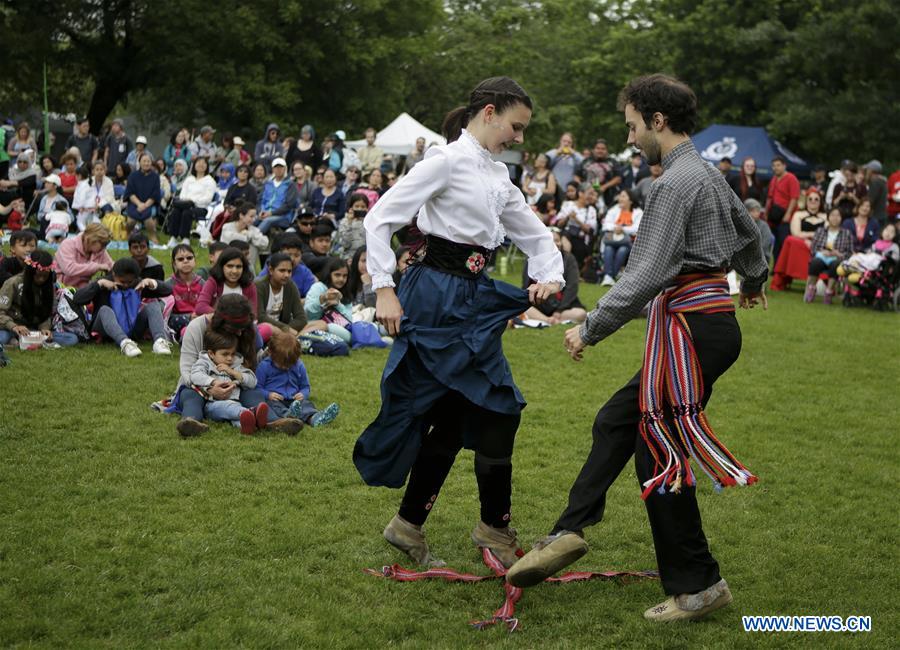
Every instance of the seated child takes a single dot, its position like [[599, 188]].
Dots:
[[319, 245], [220, 363], [186, 287], [279, 302], [139, 248], [329, 299], [28, 303], [21, 244], [58, 221], [230, 274], [215, 249], [291, 244], [282, 376], [125, 276]]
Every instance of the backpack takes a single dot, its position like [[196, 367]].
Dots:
[[125, 303], [70, 317], [323, 344], [366, 335], [115, 224]]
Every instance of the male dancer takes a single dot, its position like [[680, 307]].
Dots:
[[694, 228]]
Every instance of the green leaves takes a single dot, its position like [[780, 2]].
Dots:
[[819, 74]]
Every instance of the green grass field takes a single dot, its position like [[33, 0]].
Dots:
[[116, 533]]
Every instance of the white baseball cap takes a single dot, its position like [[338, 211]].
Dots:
[[237, 140], [53, 178], [141, 140], [279, 161]]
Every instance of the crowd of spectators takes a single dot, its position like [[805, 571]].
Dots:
[[300, 204]]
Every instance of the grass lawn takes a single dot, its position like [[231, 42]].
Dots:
[[114, 532]]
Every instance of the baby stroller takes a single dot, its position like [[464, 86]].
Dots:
[[876, 288]]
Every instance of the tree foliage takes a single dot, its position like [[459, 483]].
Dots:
[[821, 75]]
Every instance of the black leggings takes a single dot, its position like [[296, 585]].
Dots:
[[452, 416]]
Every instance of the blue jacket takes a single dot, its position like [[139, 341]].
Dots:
[[288, 383], [278, 200], [870, 236]]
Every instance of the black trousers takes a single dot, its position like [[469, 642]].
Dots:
[[452, 417], [181, 220], [682, 554]]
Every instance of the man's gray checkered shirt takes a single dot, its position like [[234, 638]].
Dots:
[[693, 221]]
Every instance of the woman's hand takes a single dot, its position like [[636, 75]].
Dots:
[[539, 292], [21, 330], [146, 283], [47, 334], [276, 397], [107, 284], [299, 397], [388, 310], [220, 389]]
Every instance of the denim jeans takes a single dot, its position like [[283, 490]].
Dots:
[[615, 254], [282, 221], [282, 409], [225, 410], [192, 403]]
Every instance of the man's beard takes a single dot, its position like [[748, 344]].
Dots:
[[651, 152]]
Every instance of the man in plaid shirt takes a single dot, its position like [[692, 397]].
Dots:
[[695, 225]]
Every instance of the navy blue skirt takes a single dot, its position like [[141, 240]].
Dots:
[[450, 340]]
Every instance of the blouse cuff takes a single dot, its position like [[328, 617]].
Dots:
[[547, 268], [382, 280]]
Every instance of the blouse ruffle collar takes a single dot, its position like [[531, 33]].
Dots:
[[497, 189]]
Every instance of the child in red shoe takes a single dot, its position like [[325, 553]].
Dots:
[[220, 364]]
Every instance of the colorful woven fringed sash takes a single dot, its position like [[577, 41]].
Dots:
[[672, 373]]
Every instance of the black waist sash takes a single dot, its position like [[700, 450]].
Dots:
[[463, 260]]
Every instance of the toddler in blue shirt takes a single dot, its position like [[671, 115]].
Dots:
[[283, 378]]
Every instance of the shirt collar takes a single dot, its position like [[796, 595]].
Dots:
[[472, 144], [680, 150]]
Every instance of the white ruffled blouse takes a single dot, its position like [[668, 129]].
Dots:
[[460, 194]]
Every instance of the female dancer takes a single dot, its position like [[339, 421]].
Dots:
[[447, 384]]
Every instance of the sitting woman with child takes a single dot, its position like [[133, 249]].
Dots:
[[830, 245], [233, 316], [793, 260], [220, 364], [28, 303]]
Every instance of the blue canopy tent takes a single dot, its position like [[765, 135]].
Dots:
[[738, 142]]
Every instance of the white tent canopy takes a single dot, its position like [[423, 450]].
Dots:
[[399, 137]]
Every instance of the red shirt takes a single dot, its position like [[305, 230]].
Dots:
[[784, 190], [893, 187], [69, 181]]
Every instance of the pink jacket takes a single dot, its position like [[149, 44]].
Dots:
[[211, 292], [74, 267], [186, 295]]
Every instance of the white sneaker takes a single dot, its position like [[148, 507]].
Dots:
[[162, 346], [607, 281], [172, 243], [130, 349]]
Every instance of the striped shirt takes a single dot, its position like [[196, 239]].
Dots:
[[693, 221]]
